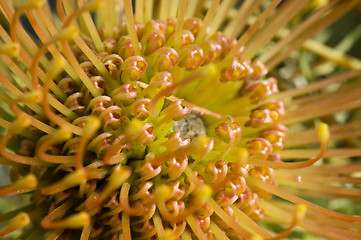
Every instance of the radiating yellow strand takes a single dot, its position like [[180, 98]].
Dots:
[[307, 153], [179, 26], [221, 15], [247, 221], [253, 28], [340, 10], [317, 85], [139, 11], [195, 227], [164, 8], [207, 21], [297, 200], [237, 23], [284, 14], [148, 15], [309, 22], [95, 60], [131, 26], [93, 32]]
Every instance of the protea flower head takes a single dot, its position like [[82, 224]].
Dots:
[[166, 122]]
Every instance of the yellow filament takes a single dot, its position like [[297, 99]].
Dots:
[[55, 234], [40, 26], [69, 8], [33, 121], [111, 83], [201, 7], [180, 20], [321, 108], [298, 216], [164, 9], [54, 70], [91, 6], [124, 201], [4, 124], [207, 21], [227, 219], [69, 181], [119, 176], [318, 217], [253, 28], [186, 235], [191, 9], [221, 15], [333, 55], [313, 226], [25, 184], [11, 49], [309, 185], [173, 9], [149, 4], [77, 220], [93, 32], [131, 26], [317, 85], [323, 135], [9, 86], [58, 212], [321, 24], [4, 96], [104, 20], [239, 21], [306, 153], [356, 180], [280, 19], [217, 209], [52, 49], [297, 200], [21, 220], [61, 108], [249, 223], [67, 50], [19, 12], [195, 227], [296, 33], [139, 11], [17, 71], [126, 226], [91, 126], [85, 234], [66, 34], [77, 68], [111, 14], [219, 234], [158, 225], [58, 136], [30, 46], [14, 157]]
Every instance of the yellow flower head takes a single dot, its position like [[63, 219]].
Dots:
[[167, 122]]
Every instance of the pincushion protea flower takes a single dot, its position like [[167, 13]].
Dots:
[[165, 125]]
